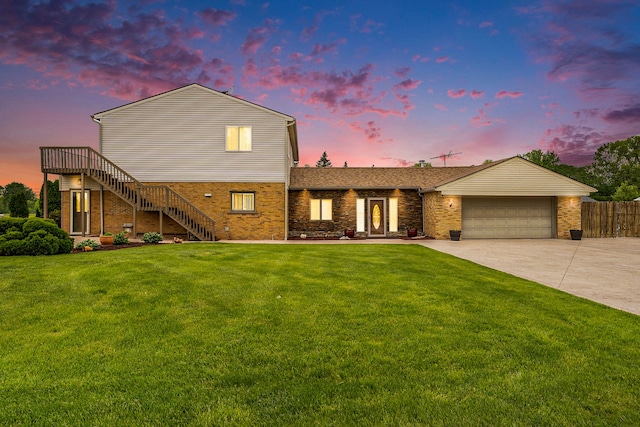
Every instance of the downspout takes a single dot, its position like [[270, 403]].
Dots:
[[289, 132], [101, 209], [422, 209]]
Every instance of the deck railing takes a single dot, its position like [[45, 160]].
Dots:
[[75, 160]]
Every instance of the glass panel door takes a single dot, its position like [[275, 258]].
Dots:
[[76, 211]]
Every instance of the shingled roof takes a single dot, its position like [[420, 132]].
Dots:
[[378, 178]]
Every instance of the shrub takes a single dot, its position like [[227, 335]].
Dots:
[[151, 237], [8, 223], [48, 225], [120, 239], [41, 243], [66, 245], [88, 242], [13, 235], [11, 247], [35, 236]]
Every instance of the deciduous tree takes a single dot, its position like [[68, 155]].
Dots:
[[616, 163]]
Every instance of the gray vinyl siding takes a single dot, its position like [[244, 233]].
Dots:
[[516, 177], [181, 138]]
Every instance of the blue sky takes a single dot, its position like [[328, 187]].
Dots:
[[377, 82]]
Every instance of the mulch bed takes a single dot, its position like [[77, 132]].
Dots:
[[115, 247]]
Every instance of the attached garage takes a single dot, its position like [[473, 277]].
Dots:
[[507, 199], [508, 217]]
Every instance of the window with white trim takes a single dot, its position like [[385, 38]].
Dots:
[[359, 215], [243, 202], [321, 209], [393, 214], [238, 138]]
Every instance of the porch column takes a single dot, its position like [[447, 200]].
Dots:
[[83, 218], [44, 198]]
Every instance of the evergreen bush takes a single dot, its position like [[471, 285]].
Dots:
[[9, 223], [35, 236], [151, 237], [120, 239], [94, 245]]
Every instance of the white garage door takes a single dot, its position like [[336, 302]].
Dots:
[[507, 217]]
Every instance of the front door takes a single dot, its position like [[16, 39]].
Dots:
[[76, 211], [377, 218]]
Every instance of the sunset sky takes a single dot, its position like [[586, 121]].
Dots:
[[372, 83]]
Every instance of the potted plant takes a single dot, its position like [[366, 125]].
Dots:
[[412, 232], [349, 233], [576, 234], [455, 235], [106, 238]]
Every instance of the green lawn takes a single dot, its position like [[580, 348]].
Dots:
[[223, 334]]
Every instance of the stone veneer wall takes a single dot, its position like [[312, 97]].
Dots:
[[439, 217], [569, 216], [344, 211]]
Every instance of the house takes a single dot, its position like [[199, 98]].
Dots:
[[201, 163], [510, 198], [191, 161]]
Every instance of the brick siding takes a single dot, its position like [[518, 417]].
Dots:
[[569, 214]]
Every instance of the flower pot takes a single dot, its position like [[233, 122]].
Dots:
[[349, 233], [412, 232], [106, 240], [576, 234], [455, 235]]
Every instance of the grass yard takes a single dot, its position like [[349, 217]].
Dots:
[[224, 334]]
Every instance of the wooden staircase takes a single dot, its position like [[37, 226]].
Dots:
[[158, 198]]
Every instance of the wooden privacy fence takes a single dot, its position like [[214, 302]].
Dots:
[[611, 219]]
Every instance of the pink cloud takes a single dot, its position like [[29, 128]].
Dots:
[[369, 25], [630, 114], [369, 129], [506, 94], [320, 49], [403, 163], [254, 41], [456, 93], [90, 43], [418, 58], [408, 84], [402, 72], [485, 24], [574, 145], [217, 17], [481, 119], [476, 94], [442, 59], [441, 107]]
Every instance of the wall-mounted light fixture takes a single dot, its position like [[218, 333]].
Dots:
[[450, 202], [207, 194]]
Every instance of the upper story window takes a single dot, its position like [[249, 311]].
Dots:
[[238, 138]]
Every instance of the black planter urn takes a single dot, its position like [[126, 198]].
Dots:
[[455, 235], [576, 234], [412, 232]]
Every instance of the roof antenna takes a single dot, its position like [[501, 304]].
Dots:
[[444, 157]]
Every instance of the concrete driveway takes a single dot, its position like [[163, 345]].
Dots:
[[602, 270]]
